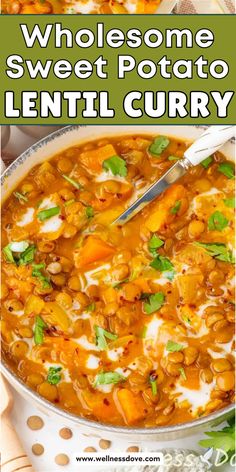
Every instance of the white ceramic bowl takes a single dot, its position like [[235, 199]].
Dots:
[[42, 151]]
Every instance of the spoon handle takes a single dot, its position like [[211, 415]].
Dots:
[[13, 456], [208, 143]]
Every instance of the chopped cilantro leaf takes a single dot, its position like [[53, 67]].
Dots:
[[101, 335], [40, 325], [53, 376], [106, 378], [223, 439], [8, 254], [226, 168], [89, 211], [154, 303], [159, 145], [116, 165], [207, 162], [230, 202], [218, 250], [176, 207], [162, 264], [37, 272], [173, 347], [154, 243], [217, 221]]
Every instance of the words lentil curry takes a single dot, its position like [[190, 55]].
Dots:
[[79, 6], [127, 325]]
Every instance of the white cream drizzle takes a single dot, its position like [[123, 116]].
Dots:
[[92, 362], [196, 398], [114, 354], [27, 218], [85, 344]]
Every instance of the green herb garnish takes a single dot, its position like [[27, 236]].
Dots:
[[207, 162], [24, 254], [154, 303], [72, 182], [154, 243], [116, 165], [163, 264], [182, 373], [186, 319], [37, 272], [218, 250], [119, 284], [89, 211], [227, 168], [69, 202], [173, 347], [40, 325], [224, 439], [45, 214], [106, 378], [230, 202], [53, 377], [20, 197], [8, 254], [173, 158], [159, 145], [91, 307], [153, 383], [217, 221], [176, 207], [143, 332], [101, 335], [27, 256]]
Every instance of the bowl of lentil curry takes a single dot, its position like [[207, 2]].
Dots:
[[122, 329], [87, 6]]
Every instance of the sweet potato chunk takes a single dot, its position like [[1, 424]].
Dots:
[[188, 285], [93, 250], [55, 315], [132, 407], [92, 160], [161, 211]]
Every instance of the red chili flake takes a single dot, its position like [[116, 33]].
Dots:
[[62, 217], [106, 402], [153, 376]]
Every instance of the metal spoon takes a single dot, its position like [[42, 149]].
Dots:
[[209, 142]]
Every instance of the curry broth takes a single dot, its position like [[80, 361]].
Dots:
[[127, 325]]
